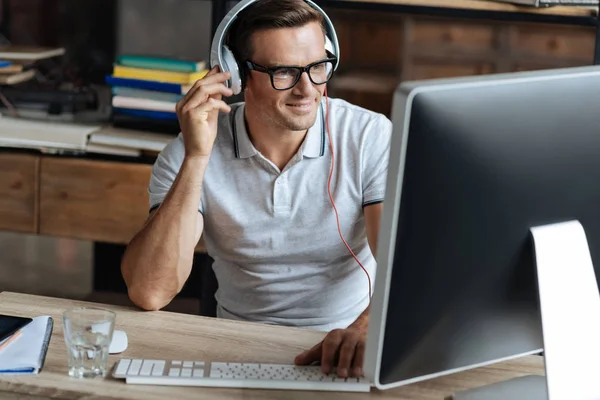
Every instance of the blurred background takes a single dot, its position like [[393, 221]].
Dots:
[[77, 143]]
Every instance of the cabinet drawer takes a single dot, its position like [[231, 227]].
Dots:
[[102, 201], [94, 200], [18, 192], [464, 35], [556, 41]]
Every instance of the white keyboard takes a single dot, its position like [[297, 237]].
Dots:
[[238, 375]]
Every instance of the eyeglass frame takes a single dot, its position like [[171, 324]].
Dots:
[[271, 71]]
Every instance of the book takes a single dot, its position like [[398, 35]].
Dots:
[[11, 79], [146, 94], [137, 123], [131, 139], [112, 150], [142, 104], [44, 134], [166, 115], [184, 78], [32, 53], [26, 355], [160, 63], [11, 69], [147, 84]]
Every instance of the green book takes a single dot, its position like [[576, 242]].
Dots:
[[161, 63]]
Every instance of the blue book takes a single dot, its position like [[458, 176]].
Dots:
[[163, 115], [147, 85]]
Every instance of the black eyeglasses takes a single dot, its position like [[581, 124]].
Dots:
[[286, 77]]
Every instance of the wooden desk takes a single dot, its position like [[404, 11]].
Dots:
[[163, 335]]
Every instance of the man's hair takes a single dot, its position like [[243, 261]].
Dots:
[[268, 14]]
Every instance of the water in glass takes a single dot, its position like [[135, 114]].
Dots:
[[88, 333]]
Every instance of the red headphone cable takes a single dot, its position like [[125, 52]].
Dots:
[[331, 197]]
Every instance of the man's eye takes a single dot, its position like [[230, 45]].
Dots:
[[285, 73]]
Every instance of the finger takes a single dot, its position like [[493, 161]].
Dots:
[[211, 105], [208, 79], [205, 111], [309, 356], [359, 359], [214, 78], [213, 70], [331, 345], [202, 95], [204, 90], [347, 350]]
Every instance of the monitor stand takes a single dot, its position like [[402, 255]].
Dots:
[[570, 311]]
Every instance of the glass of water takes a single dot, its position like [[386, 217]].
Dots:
[[88, 332]]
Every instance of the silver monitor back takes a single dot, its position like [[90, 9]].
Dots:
[[474, 163]]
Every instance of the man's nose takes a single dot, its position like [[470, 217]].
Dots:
[[304, 85]]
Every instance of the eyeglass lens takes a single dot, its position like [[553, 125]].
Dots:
[[285, 78]]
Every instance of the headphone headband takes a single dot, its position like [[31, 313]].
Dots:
[[221, 55]]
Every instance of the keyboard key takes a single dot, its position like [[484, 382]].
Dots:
[[176, 363], [158, 368], [198, 372], [188, 364], [187, 372], [146, 368], [122, 367], [199, 364], [134, 369]]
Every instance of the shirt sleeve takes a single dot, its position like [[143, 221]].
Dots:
[[164, 171], [375, 155]]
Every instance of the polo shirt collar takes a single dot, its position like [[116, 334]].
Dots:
[[312, 147], [242, 146], [314, 143]]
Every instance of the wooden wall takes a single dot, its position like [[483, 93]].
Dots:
[[380, 50]]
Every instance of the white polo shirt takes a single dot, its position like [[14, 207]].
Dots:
[[273, 235]]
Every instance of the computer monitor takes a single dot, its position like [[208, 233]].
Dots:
[[475, 164]]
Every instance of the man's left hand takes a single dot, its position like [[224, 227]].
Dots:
[[341, 348]]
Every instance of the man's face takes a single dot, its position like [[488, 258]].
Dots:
[[294, 109]]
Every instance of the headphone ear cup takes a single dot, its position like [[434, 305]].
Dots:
[[231, 65]]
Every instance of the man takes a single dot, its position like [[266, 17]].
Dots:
[[253, 177]]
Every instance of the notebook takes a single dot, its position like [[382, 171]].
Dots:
[[16, 132], [32, 53], [27, 353], [130, 139]]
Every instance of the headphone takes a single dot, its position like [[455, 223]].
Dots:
[[221, 55]]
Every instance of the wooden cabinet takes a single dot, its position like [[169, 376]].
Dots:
[[95, 200], [380, 50], [103, 201], [18, 192]]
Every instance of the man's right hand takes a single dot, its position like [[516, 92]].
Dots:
[[198, 112]]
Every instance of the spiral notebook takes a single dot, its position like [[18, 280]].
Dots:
[[27, 353]]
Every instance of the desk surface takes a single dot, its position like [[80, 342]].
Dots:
[[490, 5], [164, 335]]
